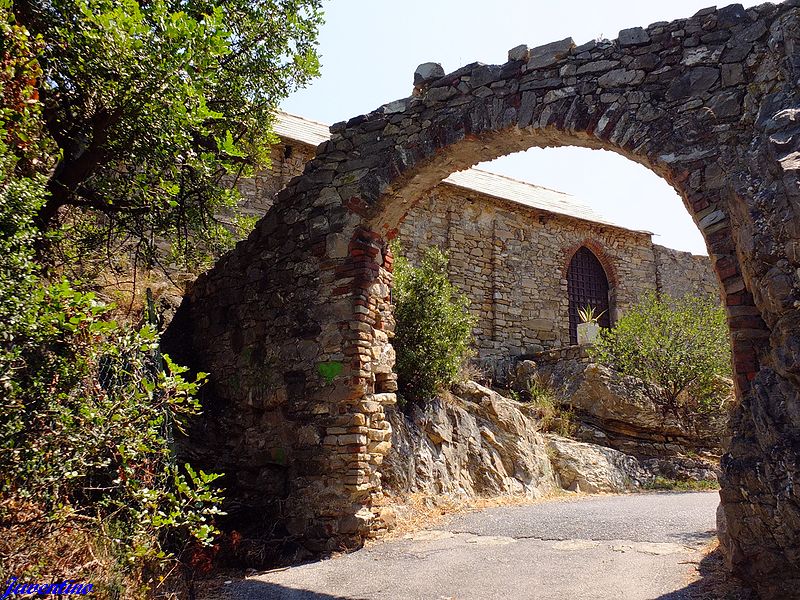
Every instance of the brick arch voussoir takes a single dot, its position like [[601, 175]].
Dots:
[[600, 253]]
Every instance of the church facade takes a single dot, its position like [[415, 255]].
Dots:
[[526, 256]]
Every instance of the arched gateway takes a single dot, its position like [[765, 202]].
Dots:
[[295, 324]]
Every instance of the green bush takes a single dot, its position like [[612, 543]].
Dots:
[[86, 423], [680, 347], [86, 419], [434, 328], [87, 406]]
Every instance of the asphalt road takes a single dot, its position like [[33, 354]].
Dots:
[[636, 547]]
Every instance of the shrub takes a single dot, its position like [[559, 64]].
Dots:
[[434, 328], [85, 434], [680, 347], [88, 478]]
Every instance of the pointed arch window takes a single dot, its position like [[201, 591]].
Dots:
[[587, 284]]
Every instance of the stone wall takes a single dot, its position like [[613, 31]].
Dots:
[[511, 261], [287, 160], [681, 273]]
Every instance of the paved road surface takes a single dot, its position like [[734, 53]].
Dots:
[[637, 547]]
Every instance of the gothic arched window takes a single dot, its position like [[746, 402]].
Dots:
[[587, 284]]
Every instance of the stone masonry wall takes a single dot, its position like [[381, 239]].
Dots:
[[511, 261], [288, 158], [680, 273]]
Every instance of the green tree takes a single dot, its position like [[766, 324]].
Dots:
[[680, 346], [156, 108], [23, 155], [433, 330]]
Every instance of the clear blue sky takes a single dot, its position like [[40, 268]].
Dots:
[[370, 49]]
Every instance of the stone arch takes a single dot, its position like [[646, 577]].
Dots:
[[295, 324]]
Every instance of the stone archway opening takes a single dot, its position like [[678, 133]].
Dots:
[[295, 324], [401, 197], [511, 242]]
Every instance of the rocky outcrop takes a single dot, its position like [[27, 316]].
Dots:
[[684, 468], [614, 411], [582, 467], [475, 443], [478, 443]]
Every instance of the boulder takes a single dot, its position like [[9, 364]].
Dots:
[[582, 467]]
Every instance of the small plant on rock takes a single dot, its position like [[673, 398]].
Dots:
[[544, 399]]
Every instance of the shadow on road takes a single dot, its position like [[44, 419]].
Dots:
[[695, 538], [253, 589], [715, 583]]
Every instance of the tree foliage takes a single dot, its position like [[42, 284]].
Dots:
[[433, 330], [86, 405], [680, 346], [156, 107]]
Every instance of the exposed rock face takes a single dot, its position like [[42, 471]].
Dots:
[[683, 468], [480, 443], [615, 412], [294, 324], [582, 467], [477, 444]]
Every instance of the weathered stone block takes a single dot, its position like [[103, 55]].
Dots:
[[354, 438], [620, 77], [518, 53], [633, 37], [427, 72], [548, 54]]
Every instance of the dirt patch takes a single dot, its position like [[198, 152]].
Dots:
[[711, 579], [422, 511]]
